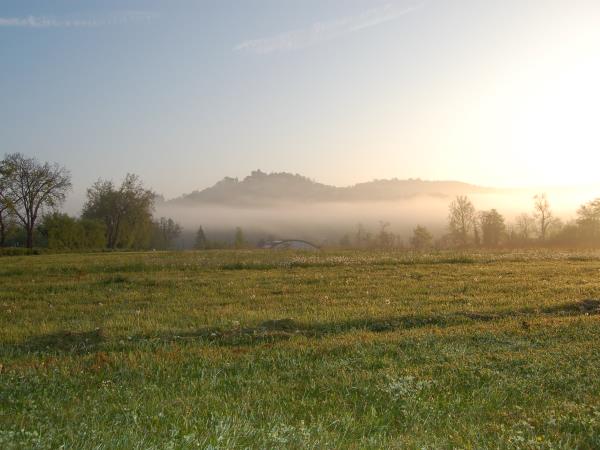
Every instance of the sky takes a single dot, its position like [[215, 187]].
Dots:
[[184, 93]]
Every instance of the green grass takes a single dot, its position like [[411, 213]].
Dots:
[[256, 349]]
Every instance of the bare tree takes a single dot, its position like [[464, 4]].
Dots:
[[4, 204], [30, 187], [461, 220], [543, 215], [385, 239], [525, 226]]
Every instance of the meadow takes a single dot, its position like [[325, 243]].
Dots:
[[266, 349]]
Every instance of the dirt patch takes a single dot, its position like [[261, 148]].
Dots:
[[481, 317], [587, 306], [280, 325], [66, 341]]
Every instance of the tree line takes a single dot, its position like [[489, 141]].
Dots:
[[121, 216], [113, 217], [469, 228]]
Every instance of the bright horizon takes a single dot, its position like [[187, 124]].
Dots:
[[501, 95]]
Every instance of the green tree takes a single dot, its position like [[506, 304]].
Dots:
[[200, 243], [126, 211], [239, 240], [30, 188], [422, 239], [165, 231], [64, 232], [493, 228], [4, 222], [95, 233], [461, 220]]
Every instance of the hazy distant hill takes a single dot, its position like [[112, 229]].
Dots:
[[260, 188]]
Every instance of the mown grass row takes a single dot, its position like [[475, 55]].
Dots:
[[353, 350]]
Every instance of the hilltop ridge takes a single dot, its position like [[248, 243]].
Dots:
[[260, 188]]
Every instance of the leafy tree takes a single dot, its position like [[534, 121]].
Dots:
[[126, 211], [422, 239], [569, 235], [555, 228], [5, 221], [29, 188], [166, 230], [461, 220], [200, 243], [94, 232], [543, 215], [588, 221], [64, 232], [493, 227], [240, 240], [14, 234]]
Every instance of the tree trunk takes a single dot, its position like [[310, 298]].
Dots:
[[2, 232], [30, 237]]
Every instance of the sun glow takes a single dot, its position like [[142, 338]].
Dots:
[[536, 123], [556, 126]]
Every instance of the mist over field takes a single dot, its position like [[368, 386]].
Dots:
[[327, 221]]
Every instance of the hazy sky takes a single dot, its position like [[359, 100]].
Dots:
[[186, 92]]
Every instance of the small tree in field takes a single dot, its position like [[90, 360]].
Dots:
[[588, 221], [525, 227], [492, 226], [461, 220], [384, 238], [200, 243], [29, 188], [543, 215], [363, 237], [421, 239], [240, 240]]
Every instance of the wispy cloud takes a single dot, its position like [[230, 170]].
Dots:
[[119, 18], [324, 31]]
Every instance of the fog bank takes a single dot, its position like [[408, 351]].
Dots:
[[328, 221]]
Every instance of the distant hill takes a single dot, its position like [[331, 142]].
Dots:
[[262, 189]]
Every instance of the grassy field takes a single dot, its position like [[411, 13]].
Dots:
[[290, 350]]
